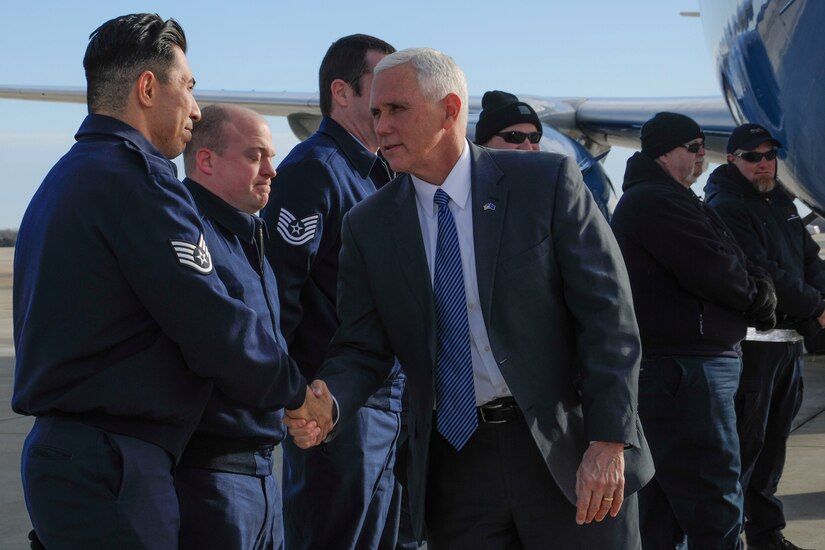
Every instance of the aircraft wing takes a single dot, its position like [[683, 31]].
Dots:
[[618, 121], [597, 123], [301, 109]]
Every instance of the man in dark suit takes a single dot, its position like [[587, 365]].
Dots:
[[496, 282]]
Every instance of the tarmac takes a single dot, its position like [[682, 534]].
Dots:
[[802, 488]]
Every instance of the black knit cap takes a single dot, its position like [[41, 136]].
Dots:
[[667, 131], [500, 110], [748, 137]]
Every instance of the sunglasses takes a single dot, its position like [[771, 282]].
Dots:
[[754, 157], [515, 137], [694, 148]]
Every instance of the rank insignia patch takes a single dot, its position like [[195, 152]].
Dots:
[[195, 256], [296, 231]]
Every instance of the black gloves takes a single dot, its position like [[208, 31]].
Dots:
[[761, 313], [809, 327]]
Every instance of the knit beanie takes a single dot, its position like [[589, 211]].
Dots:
[[500, 110], [667, 131]]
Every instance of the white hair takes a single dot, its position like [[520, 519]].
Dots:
[[437, 73]]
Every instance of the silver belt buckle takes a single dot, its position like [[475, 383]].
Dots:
[[484, 416]]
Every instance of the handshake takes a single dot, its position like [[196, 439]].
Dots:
[[310, 424]]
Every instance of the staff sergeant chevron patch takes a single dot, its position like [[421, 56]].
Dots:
[[195, 256], [294, 231]]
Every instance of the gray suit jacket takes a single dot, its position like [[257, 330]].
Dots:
[[556, 303]]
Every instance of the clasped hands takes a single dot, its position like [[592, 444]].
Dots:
[[310, 424]]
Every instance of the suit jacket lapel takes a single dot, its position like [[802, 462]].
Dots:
[[489, 202], [410, 247]]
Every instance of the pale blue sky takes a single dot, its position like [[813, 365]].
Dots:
[[561, 48]]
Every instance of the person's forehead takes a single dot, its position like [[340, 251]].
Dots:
[[180, 66], [521, 126], [399, 81], [246, 129]]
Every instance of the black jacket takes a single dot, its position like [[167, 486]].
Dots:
[[690, 280], [770, 231]]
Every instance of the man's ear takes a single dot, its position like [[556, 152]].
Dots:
[[452, 110], [146, 88], [340, 92], [204, 160]]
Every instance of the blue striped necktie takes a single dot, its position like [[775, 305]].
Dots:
[[455, 414]]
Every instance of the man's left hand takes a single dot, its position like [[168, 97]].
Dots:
[[600, 482]]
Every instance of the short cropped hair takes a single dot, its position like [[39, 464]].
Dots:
[[121, 49], [207, 133], [437, 73], [346, 59]]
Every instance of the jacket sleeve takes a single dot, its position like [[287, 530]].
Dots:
[[814, 264], [794, 296], [597, 292], [300, 190], [361, 357], [219, 337]]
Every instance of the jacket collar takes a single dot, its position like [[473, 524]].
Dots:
[[729, 177], [105, 125], [642, 169], [357, 155], [227, 216]]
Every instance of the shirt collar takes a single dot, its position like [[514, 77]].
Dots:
[[229, 217], [457, 185]]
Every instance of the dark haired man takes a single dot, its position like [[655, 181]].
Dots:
[[338, 496], [121, 324], [767, 226], [694, 293]]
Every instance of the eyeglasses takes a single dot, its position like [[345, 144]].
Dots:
[[694, 148], [515, 137], [753, 157]]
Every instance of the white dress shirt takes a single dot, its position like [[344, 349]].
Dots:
[[487, 379]]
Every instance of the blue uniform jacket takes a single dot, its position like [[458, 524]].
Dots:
[[228, 424], [317, 183], [120, 320]]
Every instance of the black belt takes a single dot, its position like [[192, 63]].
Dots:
[[499, 411]]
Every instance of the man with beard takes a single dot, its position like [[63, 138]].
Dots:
[[694, 294], [764, 220]]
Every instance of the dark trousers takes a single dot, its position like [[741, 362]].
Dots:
[[230, 511], [339, 495], [686, 405], [88, 488], [497, 493], [769, 397]]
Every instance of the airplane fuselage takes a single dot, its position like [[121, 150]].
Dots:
[[772, 72]]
